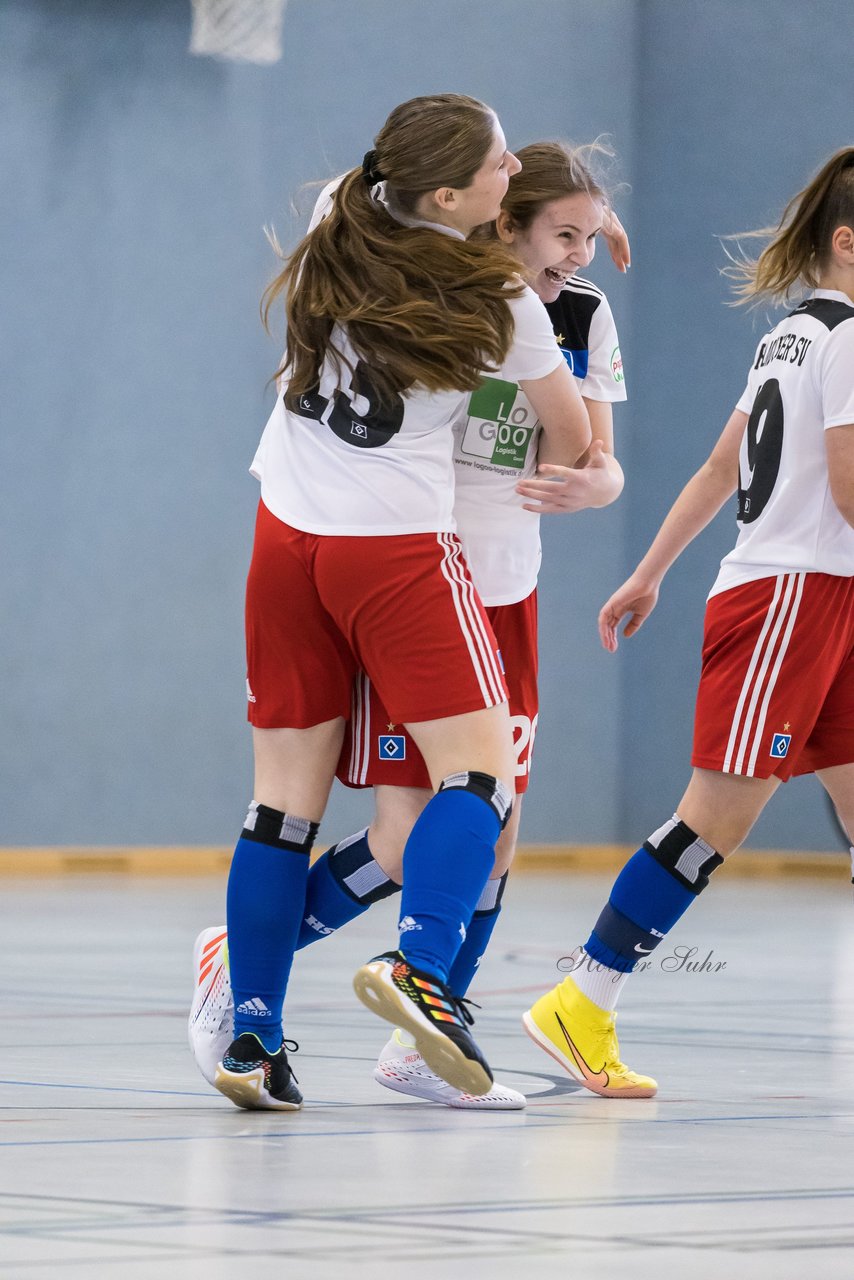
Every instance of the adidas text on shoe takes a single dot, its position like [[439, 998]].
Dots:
[[401, 1068], [422, 1005], [255, 1079], [210, 1026], [581, 1037]]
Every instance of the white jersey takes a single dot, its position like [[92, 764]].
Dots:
[[496, 444], [801, 384], [333, 461]]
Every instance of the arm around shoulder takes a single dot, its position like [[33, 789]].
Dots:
[[557, 403]]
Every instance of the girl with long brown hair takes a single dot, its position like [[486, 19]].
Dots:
[[776, 694], [551, 216], [393, 315]]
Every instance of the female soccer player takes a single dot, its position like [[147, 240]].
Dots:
[[393, 315], [550, 217], [776, 694]]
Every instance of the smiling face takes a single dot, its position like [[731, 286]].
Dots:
[[559, 240]]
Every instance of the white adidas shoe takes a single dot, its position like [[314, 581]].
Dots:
[[401, 1067], [211, 1022]]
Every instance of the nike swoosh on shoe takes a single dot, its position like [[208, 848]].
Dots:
[[600, 1078]]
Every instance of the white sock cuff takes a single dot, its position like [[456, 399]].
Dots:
[[600, 984]]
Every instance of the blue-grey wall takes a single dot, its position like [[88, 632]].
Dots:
[[136, 180]]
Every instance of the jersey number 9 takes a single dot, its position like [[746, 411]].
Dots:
[[764, 448]]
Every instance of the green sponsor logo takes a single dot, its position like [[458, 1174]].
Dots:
[[500, 426]]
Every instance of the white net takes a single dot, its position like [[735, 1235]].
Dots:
[[241, 30]]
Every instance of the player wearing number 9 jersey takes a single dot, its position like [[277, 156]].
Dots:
[[393, 315], [776, 693]]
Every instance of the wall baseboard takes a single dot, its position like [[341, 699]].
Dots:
[[199, 860]]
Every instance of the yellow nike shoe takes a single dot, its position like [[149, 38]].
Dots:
[[581, 1037]]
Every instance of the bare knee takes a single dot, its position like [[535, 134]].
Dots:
[[838, 782], [397, 809], [479, 741], [294, 768], [722, 807]]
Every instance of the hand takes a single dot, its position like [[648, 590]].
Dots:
[[615, 237], [637, 597], [557, 489]]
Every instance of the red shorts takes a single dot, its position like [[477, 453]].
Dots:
[[378, 751], [776, 694], [403, 609]]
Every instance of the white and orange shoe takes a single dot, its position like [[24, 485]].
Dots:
[[211, 1023], [581, 1037]]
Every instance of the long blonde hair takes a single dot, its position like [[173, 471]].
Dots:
[[420, 307], [800, 243]]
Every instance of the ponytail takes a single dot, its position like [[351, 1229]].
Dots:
[[419, 307], [800, 243]]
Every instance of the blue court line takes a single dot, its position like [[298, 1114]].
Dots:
[[262, 1133], [771, 1117], [538, 1101], [209, 1094], [481, 1241], [547, 1097], [816, 1115], [533, 1123], [557, 1085], [107, 1088], [198, 1215], [97, 1088], [166, 1093]]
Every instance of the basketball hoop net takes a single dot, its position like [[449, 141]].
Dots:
[[239, 30]]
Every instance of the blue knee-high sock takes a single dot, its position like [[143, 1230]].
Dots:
[[447, 860], [654, 889], [477, 938], [266, 897], [342, 884]]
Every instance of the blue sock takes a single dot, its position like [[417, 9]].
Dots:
[[654, 889], [266, 897], [447, 860], [477, 937], [342, 884]]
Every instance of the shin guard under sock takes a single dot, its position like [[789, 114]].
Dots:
[[446, 863], [266, 899], [655, 888], [342, 884]]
